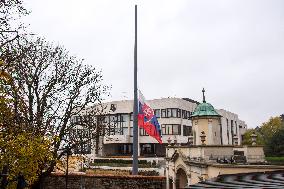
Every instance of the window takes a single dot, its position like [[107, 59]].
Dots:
[[143, 132], [124, 121], [115, 123], [103, 119], [163, 113], [176, 129], [169, 112], [125, 131], [174, 112], [157, 113], [184, 114], [171, 129], [187, 130], [166, 129], [228, 130], [83, 148], [118, 131], [78, 119], [178, 113], [188, 114], [131, 116], [131, 131], [232, 130], [125, 149]]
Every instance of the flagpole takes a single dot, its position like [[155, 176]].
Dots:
[[135, 106]]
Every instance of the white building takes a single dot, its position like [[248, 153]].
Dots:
[[174, 116]]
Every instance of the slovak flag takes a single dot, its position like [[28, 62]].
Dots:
[[147, 120]]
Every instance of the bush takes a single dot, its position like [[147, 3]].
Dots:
[[275, 160], [275, 146]]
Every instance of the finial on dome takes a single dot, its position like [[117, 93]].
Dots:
[[203, 91]]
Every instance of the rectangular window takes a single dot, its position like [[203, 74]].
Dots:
[[105, 119], [187, 130], [143, 132], [72, 120], [188, 114], [232, 131], [164, 129], [228, 130], [131, 131], [174, 112], [169, 112], [171, 129], [131, 116], [178, 113], [184, 114], [118, 131], [125, 131], [176, 129], [124, 120], [78, 119], [232, 127], [163, 113], [118, 117], [157, 113]]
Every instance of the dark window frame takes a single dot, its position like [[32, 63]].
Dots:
[[168, 129], [158, 115], [164, 113]]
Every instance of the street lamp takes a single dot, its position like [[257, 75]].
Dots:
[[169, 141], [68, 152], [175, 140], [167, 164]]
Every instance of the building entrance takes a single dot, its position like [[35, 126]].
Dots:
[[147, 149]]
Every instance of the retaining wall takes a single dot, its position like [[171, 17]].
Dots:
[[57, 181]]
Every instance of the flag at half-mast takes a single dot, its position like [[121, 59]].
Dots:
[[148, 120]]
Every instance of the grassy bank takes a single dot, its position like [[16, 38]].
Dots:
[[275, 160]]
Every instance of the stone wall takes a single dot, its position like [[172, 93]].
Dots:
[[104, 182]]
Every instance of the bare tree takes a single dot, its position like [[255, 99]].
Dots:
[[54, 87], [10, 25]]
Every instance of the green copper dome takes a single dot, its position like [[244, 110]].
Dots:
[[204, 109]]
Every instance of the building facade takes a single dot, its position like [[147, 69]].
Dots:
[[175, 118], [216, 150]]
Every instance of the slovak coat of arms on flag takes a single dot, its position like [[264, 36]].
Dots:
[[148, 120]]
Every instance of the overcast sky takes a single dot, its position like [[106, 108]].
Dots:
[[234, 49]]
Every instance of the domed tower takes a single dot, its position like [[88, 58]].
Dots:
[[206, 123]]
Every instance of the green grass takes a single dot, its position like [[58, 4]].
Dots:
[[275, 160]]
